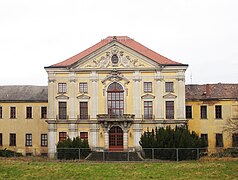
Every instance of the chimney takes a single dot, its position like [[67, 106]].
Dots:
[[208, 90]]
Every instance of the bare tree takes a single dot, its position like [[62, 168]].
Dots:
[[231, 126]]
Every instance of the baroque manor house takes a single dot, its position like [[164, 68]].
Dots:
[[110, 94]]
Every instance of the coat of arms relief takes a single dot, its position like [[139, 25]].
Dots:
[[115, 58]]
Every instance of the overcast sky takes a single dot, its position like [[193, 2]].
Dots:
[[201, 33]]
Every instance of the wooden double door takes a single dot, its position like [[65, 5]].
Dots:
[[116, 139]]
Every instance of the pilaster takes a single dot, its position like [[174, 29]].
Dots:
[[94, 95], [72, 95], [181, 95], [51, 96], [93, 136], [137, 94], [125, 140], [52, 129], [159, 101], [137, 134], [72, 131]]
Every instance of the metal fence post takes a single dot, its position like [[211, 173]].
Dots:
[[177, 154], [79, 154], [153, 153], [198, 153], [103, 155], [128, 158]]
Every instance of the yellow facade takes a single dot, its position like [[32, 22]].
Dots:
[[113, 93], [21, 125], [114, 64], [212, 125]]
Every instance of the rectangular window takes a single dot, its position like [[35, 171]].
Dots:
[[235, 140], [83, 110], [62, 110], [148, 110], [12, 139], [83, 87], [169, 87], [84, 135], [0, 112], [218, 112], [44, 141], [0, 139], [219, 140], [62, 136], [148, 87], [43, 112], [169, 109], [203, 112], [28, 112], [13, 112], [28, 139], [189, 112], [205, 138], [62, 87]]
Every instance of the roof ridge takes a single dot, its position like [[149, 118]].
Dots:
[[124, 40], [154, 51]]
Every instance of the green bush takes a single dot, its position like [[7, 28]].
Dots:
[[168, 138], [8, 153], [72, 149], [229, 152]]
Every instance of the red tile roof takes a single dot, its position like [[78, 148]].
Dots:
[[211, 91], [130, 43]]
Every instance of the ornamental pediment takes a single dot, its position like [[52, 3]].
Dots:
[[115, 56], [115, 76], [147, 96], [170, 96], [62, 96], [83, 96]]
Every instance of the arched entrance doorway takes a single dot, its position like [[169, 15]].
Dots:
[[115, 139], [115, 99]]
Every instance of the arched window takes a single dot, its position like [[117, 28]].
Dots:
[[115, 99]]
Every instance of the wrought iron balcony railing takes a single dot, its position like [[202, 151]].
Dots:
[[148, 117], [62, 117], [83, 117]]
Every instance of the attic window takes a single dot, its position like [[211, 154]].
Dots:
[[114, 59]]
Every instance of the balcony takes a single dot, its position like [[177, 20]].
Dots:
[[148, 117], [62, 117], [83, 117], [115, 117]]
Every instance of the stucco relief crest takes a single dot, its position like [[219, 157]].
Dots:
[[108, 60], [115, 76]]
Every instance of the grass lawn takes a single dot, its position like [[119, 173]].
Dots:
[[43, 169]]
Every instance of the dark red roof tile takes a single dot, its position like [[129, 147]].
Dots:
[[211, 91], [130, 43]]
